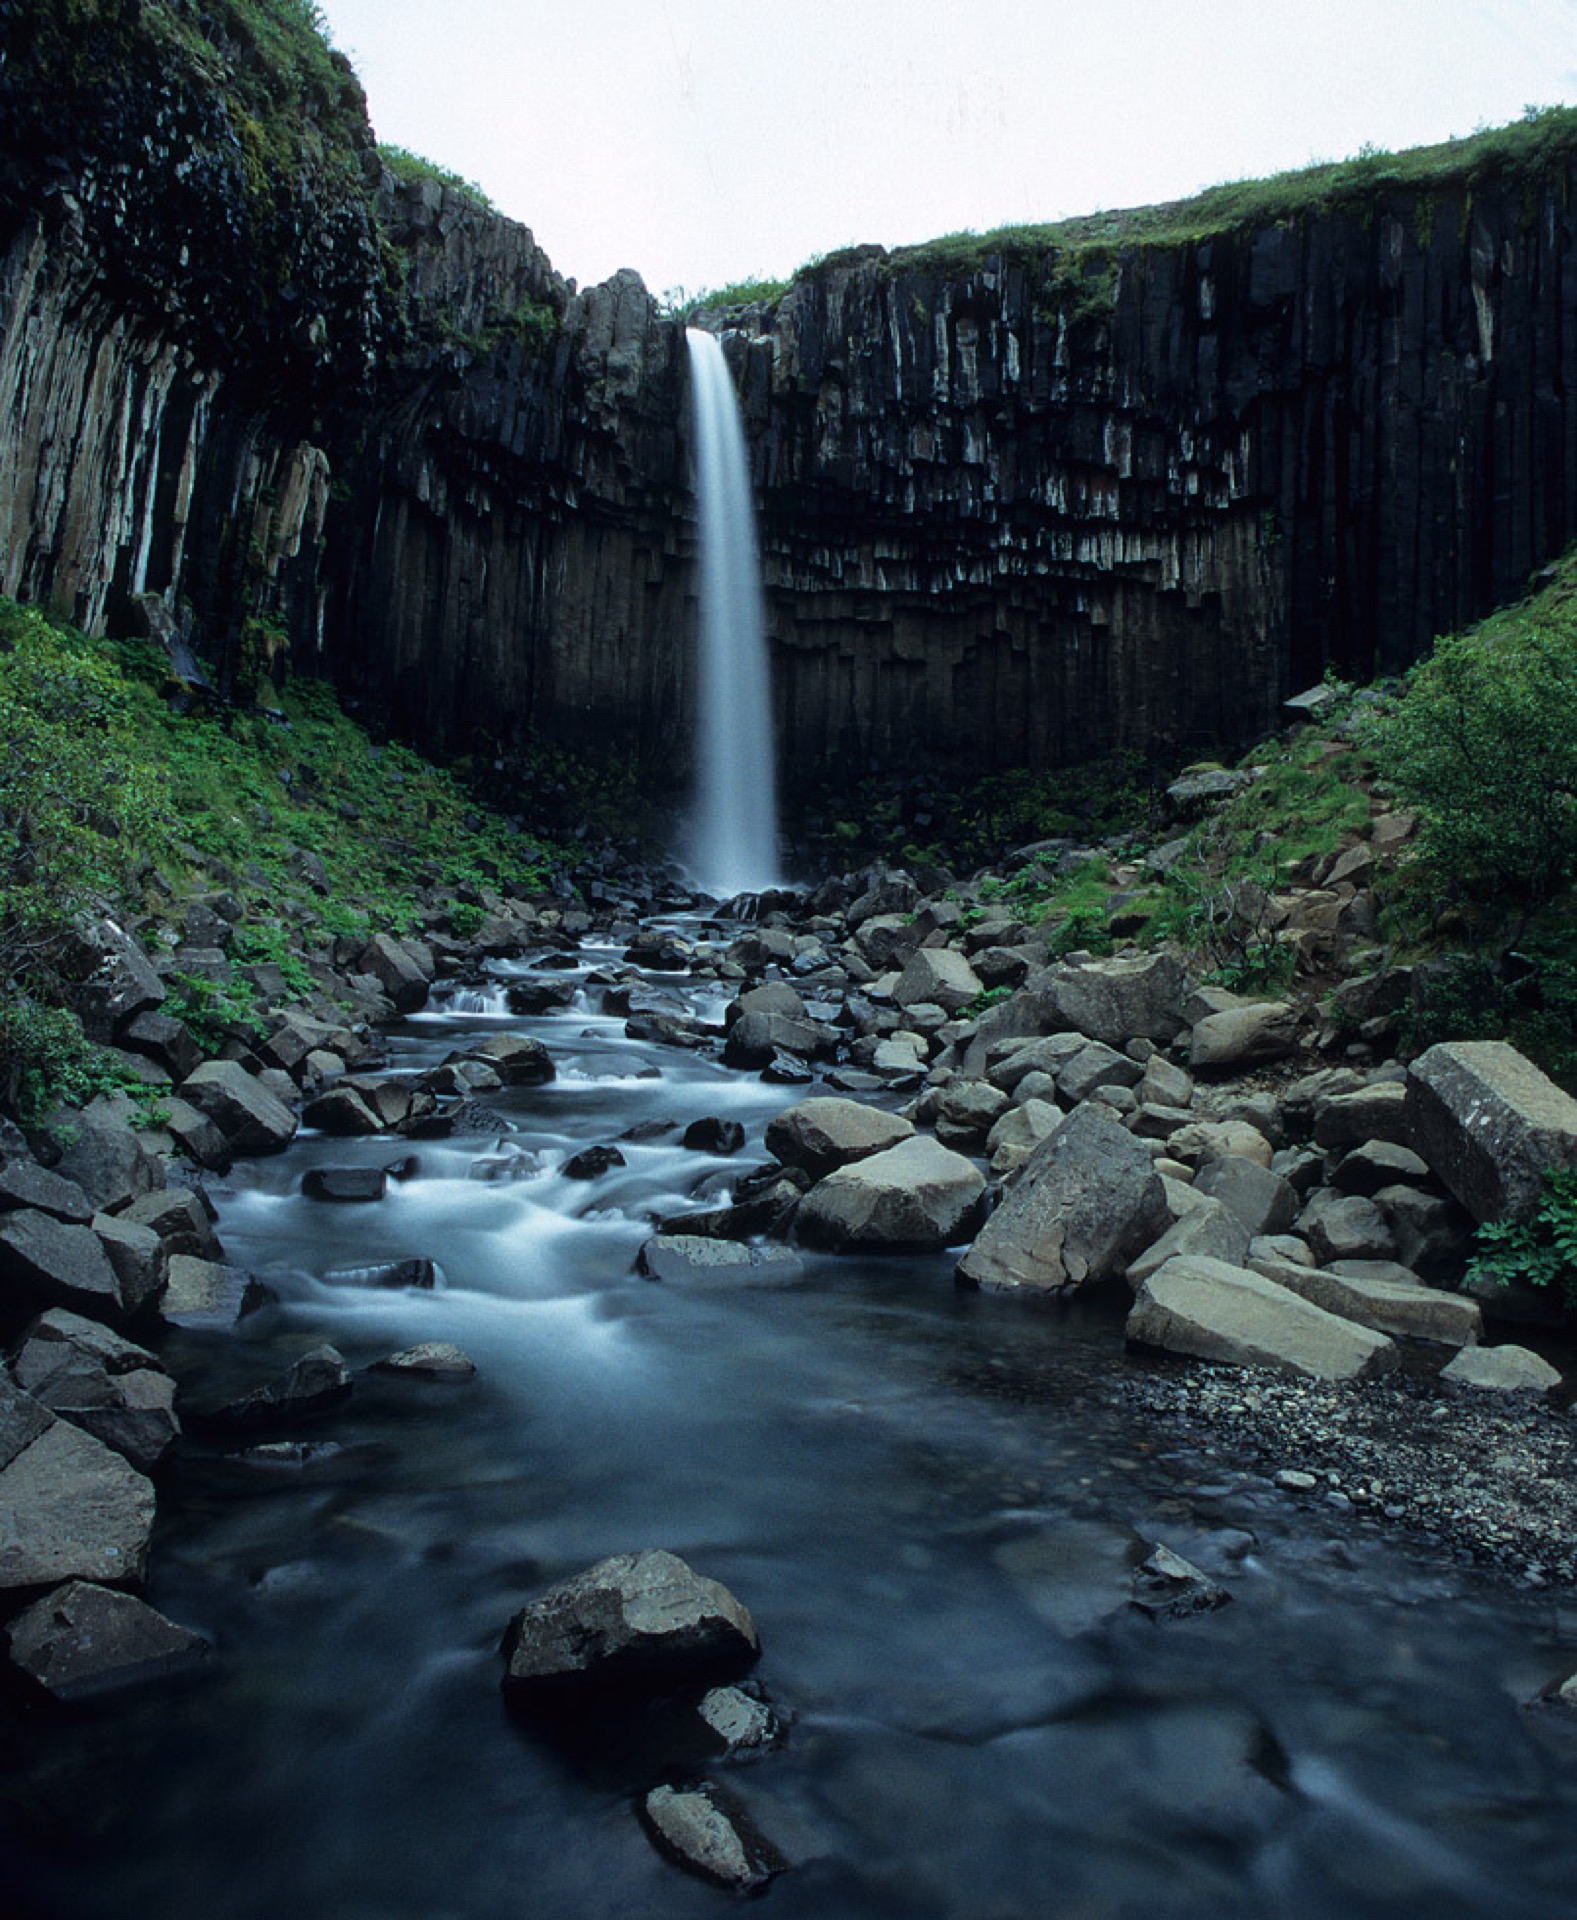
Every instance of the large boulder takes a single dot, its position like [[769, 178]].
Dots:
[[635, 1624], [915, 1196], [1087, 1199], [937, 977], [46, 1263], [1243, 1036], [251, 1118], [70, 1507], [1116, 1000], [828, 1132], [83, 1640], [1490, 1125], [1215, 1311], [398, 969]]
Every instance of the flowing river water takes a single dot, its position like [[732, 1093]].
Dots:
[[931, 1501]]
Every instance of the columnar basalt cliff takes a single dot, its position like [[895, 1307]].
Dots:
[[1018, 506]]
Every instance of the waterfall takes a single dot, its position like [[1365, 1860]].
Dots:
[[735, 826]]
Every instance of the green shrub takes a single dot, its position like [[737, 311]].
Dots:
[[1483, 742], [1542, 1250]]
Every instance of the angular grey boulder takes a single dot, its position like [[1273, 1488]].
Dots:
[[937, 977], [46, 1263], [251, 1118], [689, 1259], [1490, 1124], [828, 1132], [1086, 1200], [1504, 1369], [635, 1624], [83, 1640], [1214, 1311], [1381, 1299], [107, 1386], [916, 1196], [1115, 1000], [70, 1507], [314, 1384], [1243, 1036]]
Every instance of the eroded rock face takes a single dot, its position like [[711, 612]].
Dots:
[[638, 1623]]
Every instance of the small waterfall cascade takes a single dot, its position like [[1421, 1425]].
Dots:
[[734, 837]]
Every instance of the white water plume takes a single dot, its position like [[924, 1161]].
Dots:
[[735, 829]]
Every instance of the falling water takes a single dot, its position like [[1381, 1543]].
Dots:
[[735, 834]]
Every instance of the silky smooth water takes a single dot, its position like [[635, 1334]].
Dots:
[[930, 1501], [735, 826]]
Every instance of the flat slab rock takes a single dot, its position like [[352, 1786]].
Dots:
[[637, 1623], [83, 1640], [1214, 1311], [1489, 1124]]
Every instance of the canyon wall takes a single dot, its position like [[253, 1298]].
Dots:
[[1017, 508]]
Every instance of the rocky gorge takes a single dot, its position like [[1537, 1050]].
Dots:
[[1023, 499]]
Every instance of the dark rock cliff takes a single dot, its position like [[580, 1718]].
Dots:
[[1015, 511]]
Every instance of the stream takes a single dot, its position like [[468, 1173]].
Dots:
[[931, 1501]]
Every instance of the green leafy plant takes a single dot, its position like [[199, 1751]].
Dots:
[[1542, 1250]]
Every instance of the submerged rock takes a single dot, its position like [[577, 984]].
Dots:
[[706, 1830], [1166, 1586], [635, 1624], [430, 1360], [316, 1382], [696, 1260]]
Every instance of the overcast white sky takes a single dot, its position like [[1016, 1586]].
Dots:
[[708, 141]]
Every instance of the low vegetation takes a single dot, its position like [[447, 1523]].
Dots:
[[123, 789]]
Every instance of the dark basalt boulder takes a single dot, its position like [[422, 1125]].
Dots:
[[83, 1640], [345, 1185], [635, 1625], [714, 1135], [317, 1382]]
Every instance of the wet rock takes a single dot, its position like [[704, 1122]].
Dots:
[[1490, 1124], [1168, 1587], [1243, 1036], [592, 1162], [1504, 1369], [533, 998], [772, 997], [694, 1260], [312, 1385], [345, 1185], [1220, 1312], [1083, 1204], [714, 1135], [389, 1274], [705, 1829], [787, 1070], [73, 1508], [342, 1110], [208, 1291], [83, 1640], [430, 1360], [756, 1038], [824, 1133], [742, 1722], [517, 1059], [251, 1119], [914, 1196], [633, 1625], [398, 970]]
